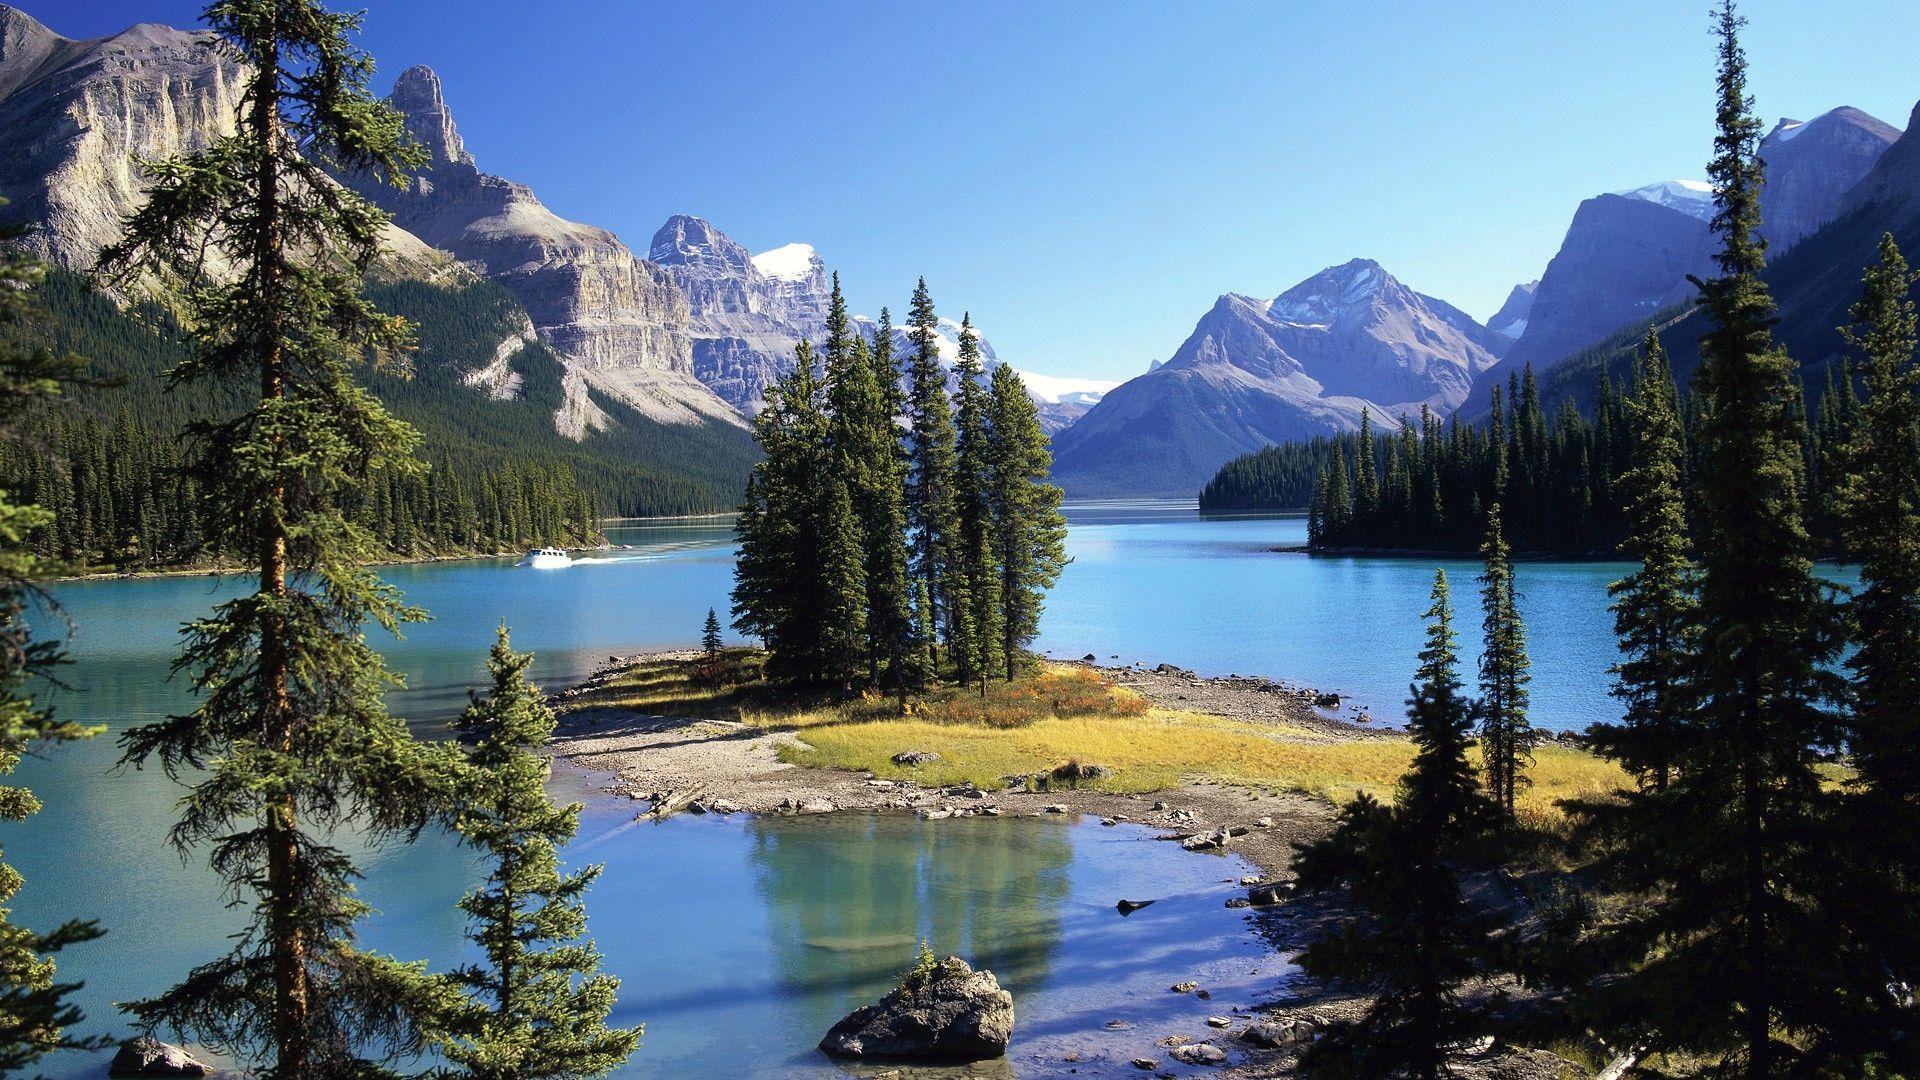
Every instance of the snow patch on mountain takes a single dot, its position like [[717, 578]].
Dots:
[[788, 262], [1062, 390], [1691, 197]]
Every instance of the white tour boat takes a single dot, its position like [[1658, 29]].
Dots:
[[547, 559]]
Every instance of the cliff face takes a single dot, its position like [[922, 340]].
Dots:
[[747, 312], [616, 320], [79, 114]]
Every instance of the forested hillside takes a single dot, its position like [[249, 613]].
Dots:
[[496, 474]]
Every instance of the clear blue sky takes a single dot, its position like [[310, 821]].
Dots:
[[1087, 178]]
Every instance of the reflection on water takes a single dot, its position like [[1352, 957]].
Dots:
[[848, 906]]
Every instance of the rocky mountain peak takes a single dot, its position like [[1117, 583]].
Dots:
[[1338, 293], [1511, 320], [689, 241], [1811, 166], [417, 96]]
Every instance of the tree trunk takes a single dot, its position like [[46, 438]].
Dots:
[[291, 1004]]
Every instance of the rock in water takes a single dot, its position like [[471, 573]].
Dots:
[[148, 1057], [948, 1013]]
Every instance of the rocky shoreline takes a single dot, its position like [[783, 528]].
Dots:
[[683, 765], [687, 765]]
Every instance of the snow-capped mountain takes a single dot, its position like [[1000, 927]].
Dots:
[[1693, 198], [1350, 339], [746, 312]]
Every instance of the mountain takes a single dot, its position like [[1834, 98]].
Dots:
[[616, 321], [1810, 168], [76, 115], [1626, 256], [1349, 339], [1814, 283], [1511, 320], [746, 312]]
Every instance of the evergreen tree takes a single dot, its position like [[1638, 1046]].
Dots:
[[538, 1005], [979, 641], [291, 729], [1411, 940], [1731, 957], [875, 464], [34, 1010], [1654, 608], [840, 619], [1506, 738], [1877, 504], [1030, 540], [710, 636], [930, 507]]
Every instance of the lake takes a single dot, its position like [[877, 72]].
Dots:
[[739, 942]]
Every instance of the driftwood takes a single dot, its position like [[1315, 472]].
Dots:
[[668, 803]]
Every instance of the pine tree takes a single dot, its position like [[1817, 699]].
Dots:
[[1030, 541], [1877, 504], [1411, 940], [876, 465], [976, 648], [538, 1005], [1655, 608], [1729, 958], [1506, 738], [290, 728], [34, 1011], [840, 618], [930, 507], [710, 636]]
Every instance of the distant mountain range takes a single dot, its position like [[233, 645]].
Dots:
[[688, 336], [1309, 362]]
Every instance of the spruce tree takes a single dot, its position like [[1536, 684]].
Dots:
[[1506, 738], [537, 1006], [875, 464], [1655, 608], [1730, 957], [930, 507], [1877, 504], [978, 645], [1030, 532], [840, 618], [34, 1011], [710, 636], [290, 742], [1410, 940]]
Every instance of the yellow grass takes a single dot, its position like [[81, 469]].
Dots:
[[1148, 752]]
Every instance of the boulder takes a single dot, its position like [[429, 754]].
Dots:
[[1184, 987], [147, 1056], [948, 1012], [1128, 907], [1200, 1054], [1274, 1034], [1145, 1064], [913, 759]]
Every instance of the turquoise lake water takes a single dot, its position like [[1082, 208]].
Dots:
[[739, 942]]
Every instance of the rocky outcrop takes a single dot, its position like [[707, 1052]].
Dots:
[[617, 321], [1308, 362], [746, 314], [148, 1057], [79, 114], [944, 1012]]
